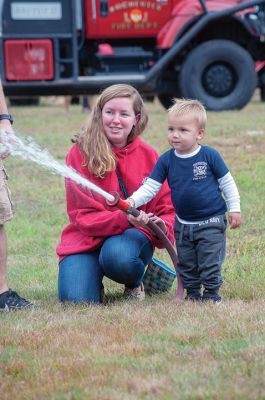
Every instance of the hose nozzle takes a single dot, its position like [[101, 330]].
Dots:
[[118, 202]]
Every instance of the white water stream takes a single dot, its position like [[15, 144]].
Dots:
[[27, 149]]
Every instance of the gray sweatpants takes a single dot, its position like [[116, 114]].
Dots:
[[201, 252]]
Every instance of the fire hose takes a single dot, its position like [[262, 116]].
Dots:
[[114, 200]]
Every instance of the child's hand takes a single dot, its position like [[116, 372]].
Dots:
[[130, 201], [234, 219]]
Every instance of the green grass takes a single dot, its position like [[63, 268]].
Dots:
[[154, 350]]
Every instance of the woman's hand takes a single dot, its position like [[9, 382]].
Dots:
[[158, 221], [143, 219]]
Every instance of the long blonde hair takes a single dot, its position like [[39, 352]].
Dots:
[[92, 140]]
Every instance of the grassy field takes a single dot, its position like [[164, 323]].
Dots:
[[153, 350]]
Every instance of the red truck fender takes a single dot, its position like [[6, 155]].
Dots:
[[184, 14]]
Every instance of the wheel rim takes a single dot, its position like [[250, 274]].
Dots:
[[219, 79]]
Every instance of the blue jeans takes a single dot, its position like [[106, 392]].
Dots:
[[121, 258]]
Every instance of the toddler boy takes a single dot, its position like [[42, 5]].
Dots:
[[202, 190]]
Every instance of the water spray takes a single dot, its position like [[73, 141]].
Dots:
[[30, 150], [27, 149]]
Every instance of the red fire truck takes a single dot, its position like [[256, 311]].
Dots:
[[169, 48]]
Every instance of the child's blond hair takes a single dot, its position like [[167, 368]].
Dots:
[[190, 106]]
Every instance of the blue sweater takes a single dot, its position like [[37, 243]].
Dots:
[[193, 182]]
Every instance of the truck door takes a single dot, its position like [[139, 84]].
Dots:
[[124, 19]]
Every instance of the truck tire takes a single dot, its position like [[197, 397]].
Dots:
[[166, 100], [220, 74], [24, 101], [262, 93]]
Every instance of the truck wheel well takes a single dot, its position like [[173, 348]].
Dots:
[[228, 28]]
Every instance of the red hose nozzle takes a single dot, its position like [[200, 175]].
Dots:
[[118, 202]]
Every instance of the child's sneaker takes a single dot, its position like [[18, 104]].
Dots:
[[191, 297], [10, 301], [102, 294], [134, 293], [214, 297]]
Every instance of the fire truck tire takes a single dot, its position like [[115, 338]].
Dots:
[[166, 100], [262, 93], [220, 74], [24, 101]]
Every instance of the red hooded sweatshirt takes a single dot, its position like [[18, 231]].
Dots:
[[91, 221]]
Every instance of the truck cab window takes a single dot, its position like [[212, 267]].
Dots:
[[104, 8]]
